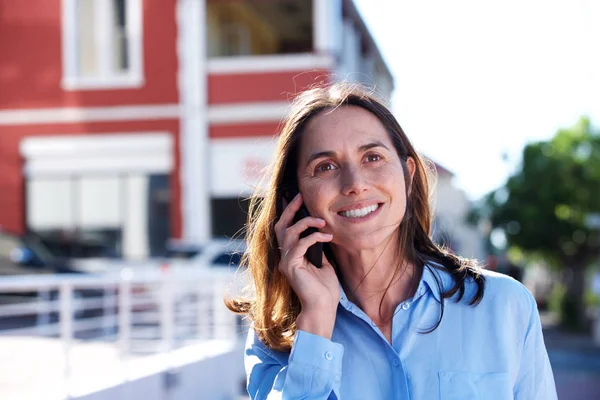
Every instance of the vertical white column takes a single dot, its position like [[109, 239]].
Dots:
[[103, 12], [135, 220], [192, 79], [69, 39], [351, 61], [327, 29]]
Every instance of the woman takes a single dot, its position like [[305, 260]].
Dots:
[[389, 315]]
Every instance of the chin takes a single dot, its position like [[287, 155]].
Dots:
[[366, 242]]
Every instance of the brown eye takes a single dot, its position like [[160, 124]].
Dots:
[[326, 166], [373, 157]]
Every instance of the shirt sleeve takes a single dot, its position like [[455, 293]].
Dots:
[[313, 369], [535, 380]]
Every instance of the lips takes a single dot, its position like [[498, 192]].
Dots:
[[359, 212]]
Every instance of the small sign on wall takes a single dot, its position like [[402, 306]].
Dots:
[[238, 165]]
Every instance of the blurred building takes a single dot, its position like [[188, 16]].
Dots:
[[134, 121], [450, 226]]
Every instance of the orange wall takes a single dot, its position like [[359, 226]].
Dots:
[[259, 87], [244, 130], [31, 63]]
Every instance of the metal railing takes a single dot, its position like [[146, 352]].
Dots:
[[141, 312]]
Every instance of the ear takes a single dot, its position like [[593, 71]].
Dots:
[[411, 165]]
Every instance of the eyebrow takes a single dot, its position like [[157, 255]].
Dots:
[[331, 154]]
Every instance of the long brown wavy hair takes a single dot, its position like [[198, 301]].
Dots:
[[270, 302]]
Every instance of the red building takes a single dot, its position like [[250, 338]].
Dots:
[[141, 120]]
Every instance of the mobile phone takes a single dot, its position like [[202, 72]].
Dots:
[[314, 254]]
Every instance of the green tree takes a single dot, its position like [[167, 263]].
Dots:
[[543, 208]]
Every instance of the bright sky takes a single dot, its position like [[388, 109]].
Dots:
[[476, 79]]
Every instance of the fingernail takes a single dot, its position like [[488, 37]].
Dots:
[[320, 220], [329, 235]]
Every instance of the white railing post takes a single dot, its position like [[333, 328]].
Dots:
[[43, 314], [167, 312], [203, 309], [66, 327], [124, 316], [108, 294]]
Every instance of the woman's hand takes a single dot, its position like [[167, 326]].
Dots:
[[317, 288]]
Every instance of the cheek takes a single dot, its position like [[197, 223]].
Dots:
[[317, 196], [392, 180]]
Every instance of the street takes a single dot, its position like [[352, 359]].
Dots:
[[576, 365]]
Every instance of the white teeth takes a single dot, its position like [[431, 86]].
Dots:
[[360, 212]]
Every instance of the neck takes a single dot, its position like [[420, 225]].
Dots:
[[377, 280]]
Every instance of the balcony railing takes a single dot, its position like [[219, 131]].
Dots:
[[101, 329]]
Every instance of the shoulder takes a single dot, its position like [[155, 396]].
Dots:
[[503, 296], [508, 300], [500, 287]]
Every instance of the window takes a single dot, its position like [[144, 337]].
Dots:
[[235, 40], [100, 215], [259, 27], [102, 44]]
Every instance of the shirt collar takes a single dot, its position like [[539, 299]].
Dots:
[[435, 280]]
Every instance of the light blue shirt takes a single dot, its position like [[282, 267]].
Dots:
[[492, 351]]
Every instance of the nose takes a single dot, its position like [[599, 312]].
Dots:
[[353, 181]]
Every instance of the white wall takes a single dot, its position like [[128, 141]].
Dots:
[[451, 209], [218, 377]]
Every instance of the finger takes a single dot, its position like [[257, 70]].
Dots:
[[287, 217], [302, 225], [292, 234], [305, 243], [299, 250]]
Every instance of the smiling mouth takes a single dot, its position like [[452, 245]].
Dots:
[[359, 213]]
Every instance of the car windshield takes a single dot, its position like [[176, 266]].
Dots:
[[228, 259], [8, 243], [40, 250]]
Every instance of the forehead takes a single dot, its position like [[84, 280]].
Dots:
[[347, 125]]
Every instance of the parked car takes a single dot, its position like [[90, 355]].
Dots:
[[26, 254], [220, 253]]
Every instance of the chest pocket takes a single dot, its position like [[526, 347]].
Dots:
[[475, 386]]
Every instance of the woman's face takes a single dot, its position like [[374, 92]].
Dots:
[[350, 175]]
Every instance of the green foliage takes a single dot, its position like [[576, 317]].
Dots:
[[556, 298], [591, 300], [564, 306], [542, 208]]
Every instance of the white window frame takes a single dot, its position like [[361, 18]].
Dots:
[[106, 78]]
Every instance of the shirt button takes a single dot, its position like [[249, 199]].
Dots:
[[328, 356], [405, 306], [373, 323], [395, 362]]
